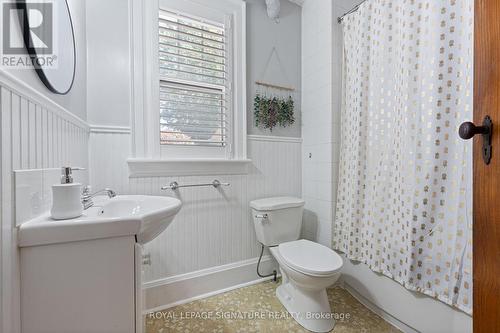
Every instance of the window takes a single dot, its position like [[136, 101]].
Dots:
[[193, 82], [189, 87]]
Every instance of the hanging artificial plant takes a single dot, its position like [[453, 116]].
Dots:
[[272, 111]]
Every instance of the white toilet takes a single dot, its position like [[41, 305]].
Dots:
[[307, 268]]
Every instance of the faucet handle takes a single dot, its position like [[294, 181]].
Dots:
[[87, 189]]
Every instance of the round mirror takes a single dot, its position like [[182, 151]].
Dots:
[[50, 41]]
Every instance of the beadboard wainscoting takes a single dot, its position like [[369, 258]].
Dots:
[[214, 227], [36, 133], [109, 149]]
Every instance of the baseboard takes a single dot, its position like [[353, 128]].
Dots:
[[169, 292], [379, 311]]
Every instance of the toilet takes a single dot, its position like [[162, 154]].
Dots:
[[307, 268]]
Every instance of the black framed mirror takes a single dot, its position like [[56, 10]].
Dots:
[[50, 41]]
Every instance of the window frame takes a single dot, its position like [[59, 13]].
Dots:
[[146, 117]]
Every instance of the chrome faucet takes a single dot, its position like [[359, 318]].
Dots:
[[87, 201]]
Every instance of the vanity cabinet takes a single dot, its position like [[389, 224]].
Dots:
[[84, 274], [81, 286]]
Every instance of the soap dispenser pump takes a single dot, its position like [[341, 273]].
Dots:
[[66, 197]]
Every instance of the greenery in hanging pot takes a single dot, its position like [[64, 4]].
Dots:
[[272, 111]]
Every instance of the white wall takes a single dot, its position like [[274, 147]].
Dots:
[[262, 35], [109, 72], [109, 62], [322, 61], [75, 101], [214, 227], [320, 144]]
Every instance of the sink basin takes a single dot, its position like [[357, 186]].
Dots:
[[126, 215], [155, 213]]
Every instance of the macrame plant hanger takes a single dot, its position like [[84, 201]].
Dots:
[[271, 89], [273, 102]]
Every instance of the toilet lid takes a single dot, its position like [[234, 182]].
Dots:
[[276, 203], [309, 257]]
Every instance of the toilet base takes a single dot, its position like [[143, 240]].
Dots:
[[310, 309]]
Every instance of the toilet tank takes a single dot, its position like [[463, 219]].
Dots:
[[277, 220]]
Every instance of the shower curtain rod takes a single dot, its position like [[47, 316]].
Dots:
[[355, 8]]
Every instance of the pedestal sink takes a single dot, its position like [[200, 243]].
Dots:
[[155, 213], [140, 215]]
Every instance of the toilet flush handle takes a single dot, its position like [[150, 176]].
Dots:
[[261, 216]]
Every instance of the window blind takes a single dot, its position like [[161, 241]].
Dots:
[[193, 81]]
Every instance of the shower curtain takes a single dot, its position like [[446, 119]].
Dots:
[[404, 194]]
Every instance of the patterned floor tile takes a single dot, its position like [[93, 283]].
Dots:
[[256, 309]]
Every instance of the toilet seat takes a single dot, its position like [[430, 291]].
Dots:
[[310, 258]]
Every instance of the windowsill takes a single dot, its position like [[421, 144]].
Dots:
[[140, 167]]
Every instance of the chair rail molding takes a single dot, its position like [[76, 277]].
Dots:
[[24, 90], [110, 129], [298, 2], [274, 138]]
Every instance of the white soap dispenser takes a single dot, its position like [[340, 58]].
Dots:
[[66, 197]]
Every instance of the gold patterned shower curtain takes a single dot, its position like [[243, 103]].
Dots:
[[404, 195]]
